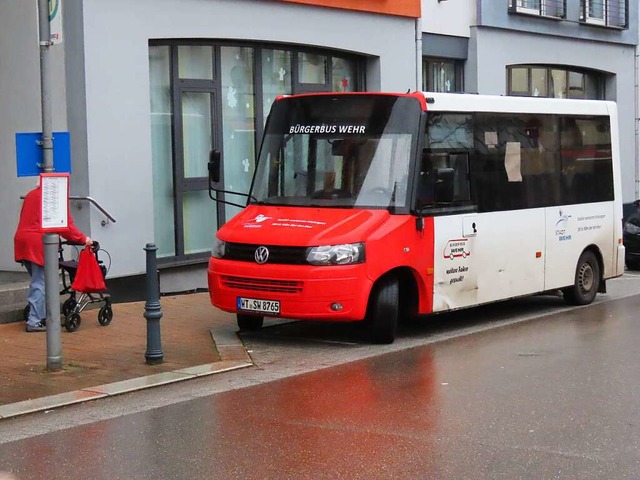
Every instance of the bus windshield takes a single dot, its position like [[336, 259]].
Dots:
[[350, 151]]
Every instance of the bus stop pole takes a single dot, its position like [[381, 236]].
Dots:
[[50, 240]]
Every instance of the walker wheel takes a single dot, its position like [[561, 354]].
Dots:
[[72, 321], [68, 306], [105, 315]]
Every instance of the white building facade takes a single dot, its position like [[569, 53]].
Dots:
[[550, 48], [147, 88]]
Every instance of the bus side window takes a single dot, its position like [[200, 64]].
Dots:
[[426, 183], [459, 162], [444, 178]]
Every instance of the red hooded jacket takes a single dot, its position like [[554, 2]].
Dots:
[[27, 241]]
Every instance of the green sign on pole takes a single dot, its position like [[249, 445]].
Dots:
[[55, 21]]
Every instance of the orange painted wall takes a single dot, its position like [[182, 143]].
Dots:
[[403, 8]]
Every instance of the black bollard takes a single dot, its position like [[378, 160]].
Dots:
[[152, 309]]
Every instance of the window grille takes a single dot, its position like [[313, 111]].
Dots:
[[545, 8], [609, 13]]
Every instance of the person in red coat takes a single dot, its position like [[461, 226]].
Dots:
[[29, 250]]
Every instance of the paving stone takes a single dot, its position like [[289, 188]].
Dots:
[[108, 360]]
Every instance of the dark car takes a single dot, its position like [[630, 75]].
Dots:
[[631, 238]]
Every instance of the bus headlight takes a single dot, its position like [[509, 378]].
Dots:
[[336, 254], [219, 248]]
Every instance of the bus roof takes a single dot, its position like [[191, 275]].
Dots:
[[469, 102], [417, 95], [495, 103]]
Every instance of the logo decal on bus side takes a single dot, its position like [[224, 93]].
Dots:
[[456, 248], [561, 227]]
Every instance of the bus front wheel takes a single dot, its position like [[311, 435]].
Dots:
[[382, 312], [587, 280], [249, 322]]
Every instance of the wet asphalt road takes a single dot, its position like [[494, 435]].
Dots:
[[558, 397]]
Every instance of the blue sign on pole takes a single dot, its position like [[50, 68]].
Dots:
[[29, 153]]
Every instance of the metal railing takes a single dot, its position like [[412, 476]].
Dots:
[[609, 13], [95, 203], [98, 206], [545, 8], [606, 13]]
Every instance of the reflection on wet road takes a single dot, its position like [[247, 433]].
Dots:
[[553, 398]]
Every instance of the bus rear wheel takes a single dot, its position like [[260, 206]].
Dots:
[[249, 322], [382, 312], [587, 281]]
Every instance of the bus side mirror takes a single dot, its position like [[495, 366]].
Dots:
[[444, 185], [214, 166]]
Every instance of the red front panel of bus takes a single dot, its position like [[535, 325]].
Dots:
[[302, 292], [305, 291]]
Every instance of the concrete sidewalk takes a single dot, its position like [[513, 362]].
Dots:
[[197, 340]]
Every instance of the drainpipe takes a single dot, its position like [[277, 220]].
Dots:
[[637, 126], [419, 54]]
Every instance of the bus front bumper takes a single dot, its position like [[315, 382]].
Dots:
[[333, 293]]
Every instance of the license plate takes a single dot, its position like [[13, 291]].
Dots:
[[261, 306]]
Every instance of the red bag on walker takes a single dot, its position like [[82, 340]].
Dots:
[[89, 277]]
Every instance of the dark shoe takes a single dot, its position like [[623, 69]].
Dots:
[[38, 327]]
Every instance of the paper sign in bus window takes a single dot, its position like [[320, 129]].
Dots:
[[491, 139], [512, 161]]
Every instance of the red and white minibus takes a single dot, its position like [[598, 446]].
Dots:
[[376, 207]]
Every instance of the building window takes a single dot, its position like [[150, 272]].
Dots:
[[162, 148], [213, 96], [441, 75], [554, 82], [545, 8], [608, 13]]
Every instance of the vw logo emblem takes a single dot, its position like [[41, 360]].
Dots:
[[261, 255]]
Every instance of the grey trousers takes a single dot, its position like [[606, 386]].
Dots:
[[36, 297]]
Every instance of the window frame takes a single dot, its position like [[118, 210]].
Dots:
[[561, 171], [605, 21], [585, 73], [520, 8], [543, 10], [458, 72], [182, 185]]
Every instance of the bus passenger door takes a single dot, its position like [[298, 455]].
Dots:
[[455, 264], [486, 257], [509, 248]]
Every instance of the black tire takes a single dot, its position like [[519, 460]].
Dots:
[[105, 315], [72, 322], [382, 311], [587, 281], [25, 312], [249, 322], [68, 306]]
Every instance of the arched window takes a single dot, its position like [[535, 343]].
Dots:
[[554, 82], [217, 95]]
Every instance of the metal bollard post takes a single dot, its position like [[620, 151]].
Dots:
[[152, 309]]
